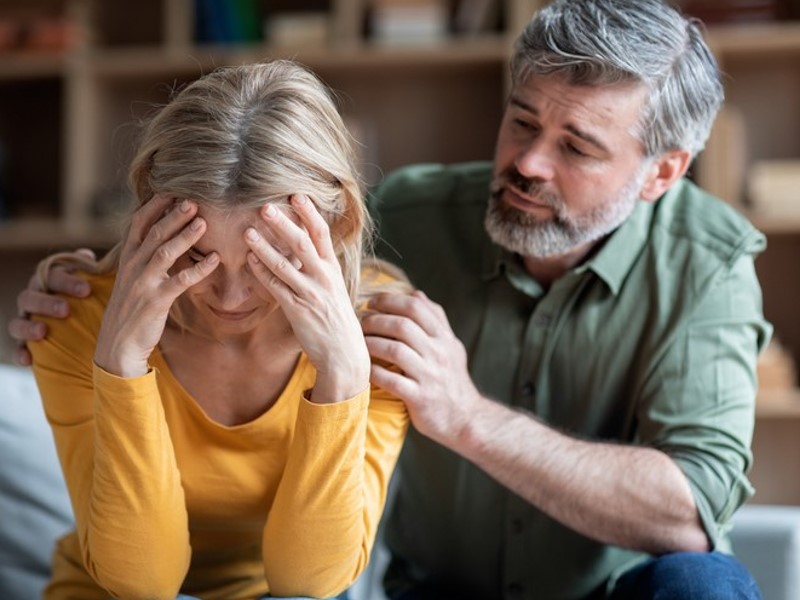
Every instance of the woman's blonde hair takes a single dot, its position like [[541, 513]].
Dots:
[[247, 135]]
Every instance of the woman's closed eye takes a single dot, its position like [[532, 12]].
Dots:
[[195, 256]]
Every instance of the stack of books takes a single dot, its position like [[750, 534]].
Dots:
[[409, 21], [420, 21]]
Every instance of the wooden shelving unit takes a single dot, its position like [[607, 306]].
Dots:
[[67, 121]]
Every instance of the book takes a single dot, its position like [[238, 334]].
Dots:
[[228, 21], [297, 29], [476, 16]]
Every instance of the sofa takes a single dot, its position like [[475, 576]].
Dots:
[[34, 510]]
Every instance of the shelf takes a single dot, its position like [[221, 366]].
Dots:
[[20, 66], [52, 234], [754, 40], [778, 404], [156, 62]]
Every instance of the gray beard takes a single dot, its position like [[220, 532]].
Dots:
[[527, 235]]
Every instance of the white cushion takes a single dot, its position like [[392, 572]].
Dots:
[[34, 503], [767, 540]]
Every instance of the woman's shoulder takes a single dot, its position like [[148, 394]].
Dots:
[[85, 314], [378, 273], [95, 303]]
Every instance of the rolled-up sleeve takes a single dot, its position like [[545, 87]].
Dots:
[[699, 404]]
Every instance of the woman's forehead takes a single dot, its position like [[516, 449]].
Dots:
[[228, 225]]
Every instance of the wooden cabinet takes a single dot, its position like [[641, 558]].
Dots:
[[68, 122]]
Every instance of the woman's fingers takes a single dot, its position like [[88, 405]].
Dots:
[[171, 219], [186, 278], [316, 227], [145, 218], [308, 241], [273, 269], [178, 244]]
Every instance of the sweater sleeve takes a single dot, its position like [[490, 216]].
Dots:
[[321, 528], [118, 462]]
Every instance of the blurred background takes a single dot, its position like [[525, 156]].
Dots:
[[417, 80]]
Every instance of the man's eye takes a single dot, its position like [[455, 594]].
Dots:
[[573, 149]]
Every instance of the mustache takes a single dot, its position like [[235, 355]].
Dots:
[[529, 187]]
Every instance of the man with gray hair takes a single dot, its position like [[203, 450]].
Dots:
[[583, 430], [581, 373]]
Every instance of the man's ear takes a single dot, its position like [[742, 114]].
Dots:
[[663, 172]]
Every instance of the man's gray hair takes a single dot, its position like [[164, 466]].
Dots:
[[606, 42]]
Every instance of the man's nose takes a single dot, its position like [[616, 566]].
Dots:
[[535, 161]]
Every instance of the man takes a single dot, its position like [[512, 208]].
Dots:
[[581, 372]]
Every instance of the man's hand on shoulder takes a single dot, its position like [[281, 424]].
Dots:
[[34, 300], [430, 374]]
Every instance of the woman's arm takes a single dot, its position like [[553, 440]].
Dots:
[[321, 528], [117, 459]]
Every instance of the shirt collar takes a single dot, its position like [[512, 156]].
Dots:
[[614, 260]]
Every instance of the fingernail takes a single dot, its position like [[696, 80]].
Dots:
[[212, 258], [269, 211], [185, 206], [300, 198], [61, 309], [81, 289], [196, 224], [251, 234], [39, 329]]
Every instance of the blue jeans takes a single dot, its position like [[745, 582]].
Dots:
[[688, 575], [678, 576]]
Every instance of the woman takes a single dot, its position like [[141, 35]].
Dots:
[[210, 402]]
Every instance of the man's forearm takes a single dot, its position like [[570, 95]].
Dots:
[[634, 497]]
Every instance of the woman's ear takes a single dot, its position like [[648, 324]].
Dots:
[[663, 173]]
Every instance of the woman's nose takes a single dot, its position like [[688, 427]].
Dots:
[[232, 291]]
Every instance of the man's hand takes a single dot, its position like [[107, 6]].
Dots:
[[34, 300], [413, 334]]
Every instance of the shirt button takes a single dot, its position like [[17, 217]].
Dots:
[[528, 389], [542, 320]]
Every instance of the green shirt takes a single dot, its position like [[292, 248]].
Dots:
[[652, 341]]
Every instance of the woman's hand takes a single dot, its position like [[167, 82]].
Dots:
[[145, 289], [309, 287]]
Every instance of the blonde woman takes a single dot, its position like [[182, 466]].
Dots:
[[210, 401]]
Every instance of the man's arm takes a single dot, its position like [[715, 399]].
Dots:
[[635, 497], [33, 300]]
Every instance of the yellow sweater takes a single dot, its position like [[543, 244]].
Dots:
[[167, 500]]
